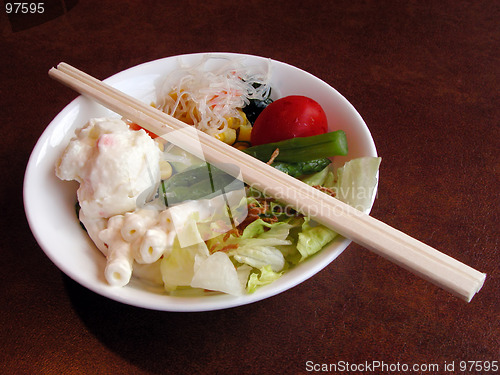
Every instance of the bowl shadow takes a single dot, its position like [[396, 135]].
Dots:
[[157, 341]]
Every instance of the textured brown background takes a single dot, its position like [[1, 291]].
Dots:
[[425, 78]]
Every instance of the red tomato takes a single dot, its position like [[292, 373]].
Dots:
[[289, 117], [135, 126]]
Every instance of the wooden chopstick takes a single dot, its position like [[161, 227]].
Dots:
[[417, 257]]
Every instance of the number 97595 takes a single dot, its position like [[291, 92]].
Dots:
[[24, 8]]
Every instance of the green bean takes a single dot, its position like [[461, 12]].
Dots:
[[302, 148], [303, 167]]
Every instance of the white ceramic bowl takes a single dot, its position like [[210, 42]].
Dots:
[[49, 202]]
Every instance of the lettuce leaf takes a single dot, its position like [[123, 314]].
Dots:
[[258, 256], [217, 272], [313, 238], [317, 178], [258, 247], [356, 182], [177, 269], [265, 276]]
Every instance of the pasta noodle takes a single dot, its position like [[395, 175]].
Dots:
[[153, 245], [136, 223], [119, 260]]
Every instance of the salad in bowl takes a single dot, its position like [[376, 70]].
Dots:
[[148, 223]]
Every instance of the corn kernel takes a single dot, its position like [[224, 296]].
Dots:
[[243, 116], [160, 143], [230, 136], [165, 169], [245, 132], [236, 122], [227, 136], [231, 122]]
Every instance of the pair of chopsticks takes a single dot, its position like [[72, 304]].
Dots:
[[417, 257]]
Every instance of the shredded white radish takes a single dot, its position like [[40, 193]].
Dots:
[[208, 98]]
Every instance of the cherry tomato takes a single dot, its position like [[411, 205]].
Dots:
[[135, 126], [289, 117]]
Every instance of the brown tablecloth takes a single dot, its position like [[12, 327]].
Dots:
[[423, 75]]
